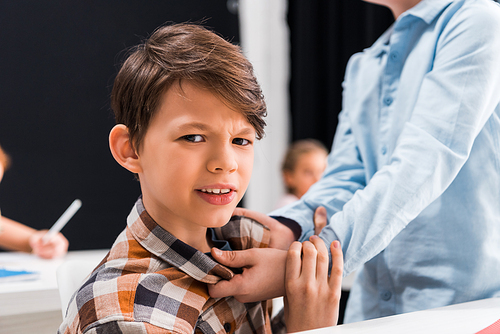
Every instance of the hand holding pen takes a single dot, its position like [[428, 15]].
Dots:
[[52, 244]]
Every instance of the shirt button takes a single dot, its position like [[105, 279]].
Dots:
[[227, 327], [394, 56], [383, 150], [386, 295], [388, 100]]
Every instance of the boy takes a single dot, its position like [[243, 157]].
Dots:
[[188, 109]]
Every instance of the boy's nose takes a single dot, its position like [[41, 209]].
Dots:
[[222, 160]]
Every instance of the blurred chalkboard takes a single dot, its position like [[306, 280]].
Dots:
[[57, 65]]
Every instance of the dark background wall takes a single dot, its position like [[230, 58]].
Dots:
[[324, 34], [57, 65]]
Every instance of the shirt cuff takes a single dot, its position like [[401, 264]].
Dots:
[[291, 224]]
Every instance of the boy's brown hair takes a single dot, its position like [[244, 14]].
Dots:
[[4, 159], [178, 52]]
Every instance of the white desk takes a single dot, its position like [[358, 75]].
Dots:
[[466, 318], [34, 306]]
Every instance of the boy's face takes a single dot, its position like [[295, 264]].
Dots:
[[195, 161]]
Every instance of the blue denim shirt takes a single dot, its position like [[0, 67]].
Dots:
[[412, 187]]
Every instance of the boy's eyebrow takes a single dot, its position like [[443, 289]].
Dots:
[[196, 125], [247, 131], [203, 127]]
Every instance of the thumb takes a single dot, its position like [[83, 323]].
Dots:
[[234, 259], [320, 219], [225, 288]]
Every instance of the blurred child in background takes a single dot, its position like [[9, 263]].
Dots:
[[303, 165], [18, 237]]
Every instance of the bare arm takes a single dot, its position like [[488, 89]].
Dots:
[[18, 237], [15, 236]]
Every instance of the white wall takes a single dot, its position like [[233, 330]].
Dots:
[[265, 41]]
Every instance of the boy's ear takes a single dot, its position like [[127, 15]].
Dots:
[[122, 150]]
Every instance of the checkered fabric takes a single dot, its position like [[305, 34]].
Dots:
[[151, 282]]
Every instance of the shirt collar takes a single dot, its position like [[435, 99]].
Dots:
[[426, 10], [164, 245]]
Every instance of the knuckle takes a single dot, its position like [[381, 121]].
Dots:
[[309, 247], [322, 256], [231, 255], [335, 297], [295, 249], [310, 289], [336, 271]]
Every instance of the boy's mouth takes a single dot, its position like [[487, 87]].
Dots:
[[215, 191], [217, 196]]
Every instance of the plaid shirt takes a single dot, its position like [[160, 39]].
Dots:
[[151, 282]]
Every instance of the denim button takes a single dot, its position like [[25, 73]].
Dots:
[[394, 56], [388, 101], [383, 150], [227, 327], [386, 295]]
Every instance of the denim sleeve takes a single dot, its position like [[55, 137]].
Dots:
[[341, 179]]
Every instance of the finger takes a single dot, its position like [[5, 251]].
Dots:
[[234, 259], [335, 280], [225, 288], [239, 212], [46, 254], [309, 255], [65, 244], [320, 219], [322, 258], [255, 215], [293, 261], [43, 251], [35, 242]]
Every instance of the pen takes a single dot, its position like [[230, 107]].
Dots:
[[65, 217]]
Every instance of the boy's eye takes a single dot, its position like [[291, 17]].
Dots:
[[193, 138], [241, 141]]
